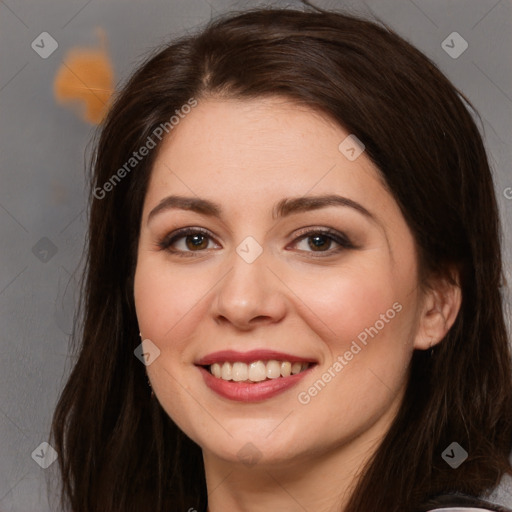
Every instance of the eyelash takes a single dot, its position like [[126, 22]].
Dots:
[[339, 238]]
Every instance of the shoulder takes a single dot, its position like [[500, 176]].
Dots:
[[460, 503]]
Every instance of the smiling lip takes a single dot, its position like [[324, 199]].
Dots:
[[232, 356], [251, 392]]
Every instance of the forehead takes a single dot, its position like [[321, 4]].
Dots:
[[259, 146]]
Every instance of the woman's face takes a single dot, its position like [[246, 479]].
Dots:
[[296, 254]]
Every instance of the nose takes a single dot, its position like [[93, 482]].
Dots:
[[249, 295]]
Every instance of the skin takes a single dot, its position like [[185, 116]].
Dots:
[[246, 156]]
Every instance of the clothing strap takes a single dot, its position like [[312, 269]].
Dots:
[[461, 501]]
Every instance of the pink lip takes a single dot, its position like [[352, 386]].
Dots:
[[251, 392], [234, 356]]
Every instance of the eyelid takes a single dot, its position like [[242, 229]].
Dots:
[[310, 230]]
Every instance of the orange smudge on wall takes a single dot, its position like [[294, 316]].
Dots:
[[85, 80]]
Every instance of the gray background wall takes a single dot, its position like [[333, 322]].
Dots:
[[42, 194]]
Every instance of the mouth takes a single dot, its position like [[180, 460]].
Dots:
[[257, 371], [252, 376]]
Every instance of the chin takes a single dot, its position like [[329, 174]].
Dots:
[[254, 445]]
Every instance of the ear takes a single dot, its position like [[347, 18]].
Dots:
[[439, 309]]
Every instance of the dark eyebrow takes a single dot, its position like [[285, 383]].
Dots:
[[283, 208], [292, 205], [195, 204]]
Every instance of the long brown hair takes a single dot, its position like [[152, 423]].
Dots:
[[118, 450]]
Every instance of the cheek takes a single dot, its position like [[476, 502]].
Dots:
[[349, 300], [164, 299], [366, 327], [365, 312], [167, 305]]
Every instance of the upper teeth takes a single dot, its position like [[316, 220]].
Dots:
[[256, 371]]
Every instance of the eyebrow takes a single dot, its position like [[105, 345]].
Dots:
[[282, 208]]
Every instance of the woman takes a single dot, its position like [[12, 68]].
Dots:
[[294, 237]]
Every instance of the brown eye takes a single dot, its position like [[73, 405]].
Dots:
[[186, 240], [319, 242], [322, 241], [198, 241]]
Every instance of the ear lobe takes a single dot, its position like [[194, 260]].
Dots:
[[440, 308]]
